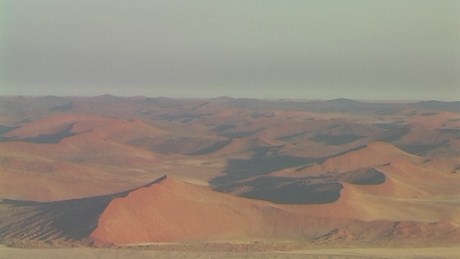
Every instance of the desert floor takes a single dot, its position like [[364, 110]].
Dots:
[[335, 253]]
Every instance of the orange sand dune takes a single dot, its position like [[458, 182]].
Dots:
[[176, 211], [435, 120], [172, 210], [53, 123], [241, 145], [414, 188], [100, 126], [372, 155], [407, 175], [168, 210]]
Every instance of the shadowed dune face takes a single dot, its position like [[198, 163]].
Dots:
[[369, 176], [51, 221], [54, 138], [264, 161], [320, 189], [336, 139], [5, 129], [421, 149], [58, 220], [287, 190]]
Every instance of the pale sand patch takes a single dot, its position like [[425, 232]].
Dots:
[[418, 252], [320, 253]]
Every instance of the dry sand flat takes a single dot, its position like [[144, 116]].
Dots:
[[316, 253]]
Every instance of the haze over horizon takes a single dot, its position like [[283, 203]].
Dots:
[[380, 50]]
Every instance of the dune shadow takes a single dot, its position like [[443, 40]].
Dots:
[[239, 134], [455, 132], [213, 148], [47, 221], [182, 117], [5, 129], [368, 176], [288, 190], [318, 189], [331, 139], [420, 149], [45, 138], [72, 219], [292, 136], [394, 131], [264, 161]]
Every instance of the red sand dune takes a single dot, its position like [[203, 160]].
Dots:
[[172, 210], [414, 188], [176, 211]]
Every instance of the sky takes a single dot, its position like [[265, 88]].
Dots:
[[318, 49]]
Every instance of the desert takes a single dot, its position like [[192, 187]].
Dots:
[[229, 129], [228, 177]]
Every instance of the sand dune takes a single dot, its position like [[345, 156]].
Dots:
[[169, 210], [172, 210], [325, 172], [175, 211]]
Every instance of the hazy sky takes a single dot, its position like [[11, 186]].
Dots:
[[242, 48]]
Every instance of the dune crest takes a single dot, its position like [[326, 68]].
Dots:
[[172, 210]]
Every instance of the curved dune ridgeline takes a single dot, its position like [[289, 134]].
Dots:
[[62, 220], [169, 210]]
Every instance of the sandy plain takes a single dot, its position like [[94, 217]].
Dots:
[[144, 253]]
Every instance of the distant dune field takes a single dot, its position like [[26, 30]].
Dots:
[[110, 171]]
